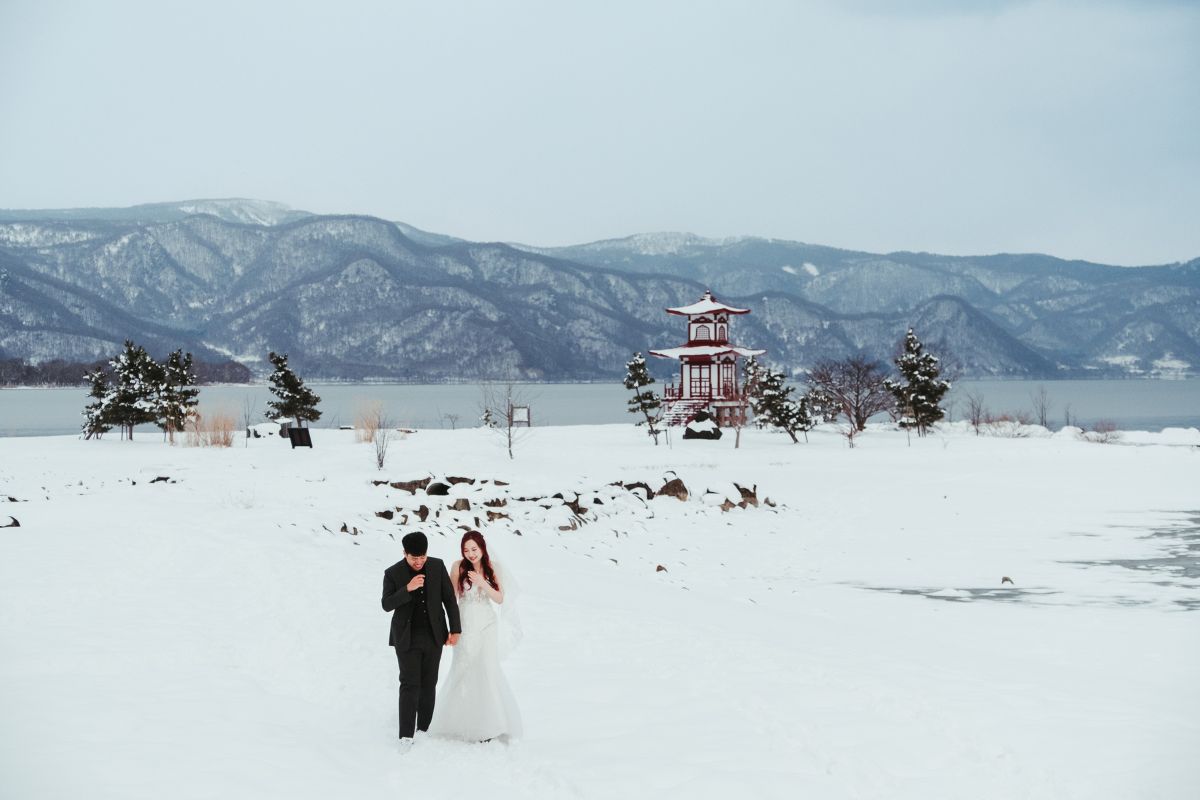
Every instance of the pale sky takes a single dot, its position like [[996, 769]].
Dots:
[[1070, 128]]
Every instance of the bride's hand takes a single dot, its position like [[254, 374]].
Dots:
[[474, 578]]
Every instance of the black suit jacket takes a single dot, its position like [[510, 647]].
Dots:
[[439, 593]]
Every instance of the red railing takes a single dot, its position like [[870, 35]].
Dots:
[[726, 392]]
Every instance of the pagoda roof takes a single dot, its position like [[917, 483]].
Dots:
[[706, 305], [705, 350]]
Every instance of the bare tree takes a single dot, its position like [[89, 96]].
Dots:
[[850, 431], [976, 411], [383, 437], [856, 385], [248, 406], [498, 407], [1041, 405], [1069, 419], [452, 419]]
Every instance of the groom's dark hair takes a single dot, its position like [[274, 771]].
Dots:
[[415, 544]]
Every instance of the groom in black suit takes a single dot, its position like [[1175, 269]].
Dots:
[[415, 590]]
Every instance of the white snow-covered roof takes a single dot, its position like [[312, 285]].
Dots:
[[705, 350], [707, 305]]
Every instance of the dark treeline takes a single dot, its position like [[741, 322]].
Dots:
[[16, 372]]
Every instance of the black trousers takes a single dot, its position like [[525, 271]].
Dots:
[[418, 680]]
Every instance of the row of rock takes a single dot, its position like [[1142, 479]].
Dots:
[[464, 503]]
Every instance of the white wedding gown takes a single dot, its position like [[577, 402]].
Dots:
[[475, 703]]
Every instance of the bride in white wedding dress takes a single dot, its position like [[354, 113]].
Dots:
[[476, 704]]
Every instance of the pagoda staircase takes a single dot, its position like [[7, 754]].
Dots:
[[680, 411]]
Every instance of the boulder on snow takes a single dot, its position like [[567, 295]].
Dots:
[[702, 426], [674, 488], [410, 486]]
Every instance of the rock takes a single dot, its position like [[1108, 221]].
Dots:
[[674, 488], [749, 496], [495, 515], [639, 485], [410, 486], [385, 514], [660, 568], [461, 480], [345, 528], [437, 488], [461, 504], [423, 513], [499, 502], [702, 426], [12, 523], [161, 479]]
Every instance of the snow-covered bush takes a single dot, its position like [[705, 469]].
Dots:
[[1103, 432]]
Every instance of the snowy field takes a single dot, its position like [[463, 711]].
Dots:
[[216, 634]]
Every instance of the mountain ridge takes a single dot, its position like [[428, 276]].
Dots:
[[360, 297]]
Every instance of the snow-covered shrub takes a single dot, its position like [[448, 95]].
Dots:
[[1103, 432]]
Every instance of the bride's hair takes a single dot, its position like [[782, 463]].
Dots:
[[485, 563]]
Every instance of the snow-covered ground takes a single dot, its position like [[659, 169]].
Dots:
[[216, 635]]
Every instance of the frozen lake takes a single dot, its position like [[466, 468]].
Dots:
[[1130, 404]]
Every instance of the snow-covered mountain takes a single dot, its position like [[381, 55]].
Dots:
[[1042, 315], [358, 297], [240, 210]]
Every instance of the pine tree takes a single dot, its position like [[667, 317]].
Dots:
[[821, 406], [96, 416], [772, 402], [133, 400], [177, 393], [917, 400], [644, 401], [486, 419], [295, 399]]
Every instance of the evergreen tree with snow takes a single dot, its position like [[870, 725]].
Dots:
[[772, 402], [487, 419], [176, 393], [821, 406], [295, 399], [644, 400], [918, 398], [133, 399], [96, 416]]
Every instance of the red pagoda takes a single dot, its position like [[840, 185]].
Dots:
[[708, 374]]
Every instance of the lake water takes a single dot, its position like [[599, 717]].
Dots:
[[1131, 405]]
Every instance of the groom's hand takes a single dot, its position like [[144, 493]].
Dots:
[[416, 583], [452, 639]]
